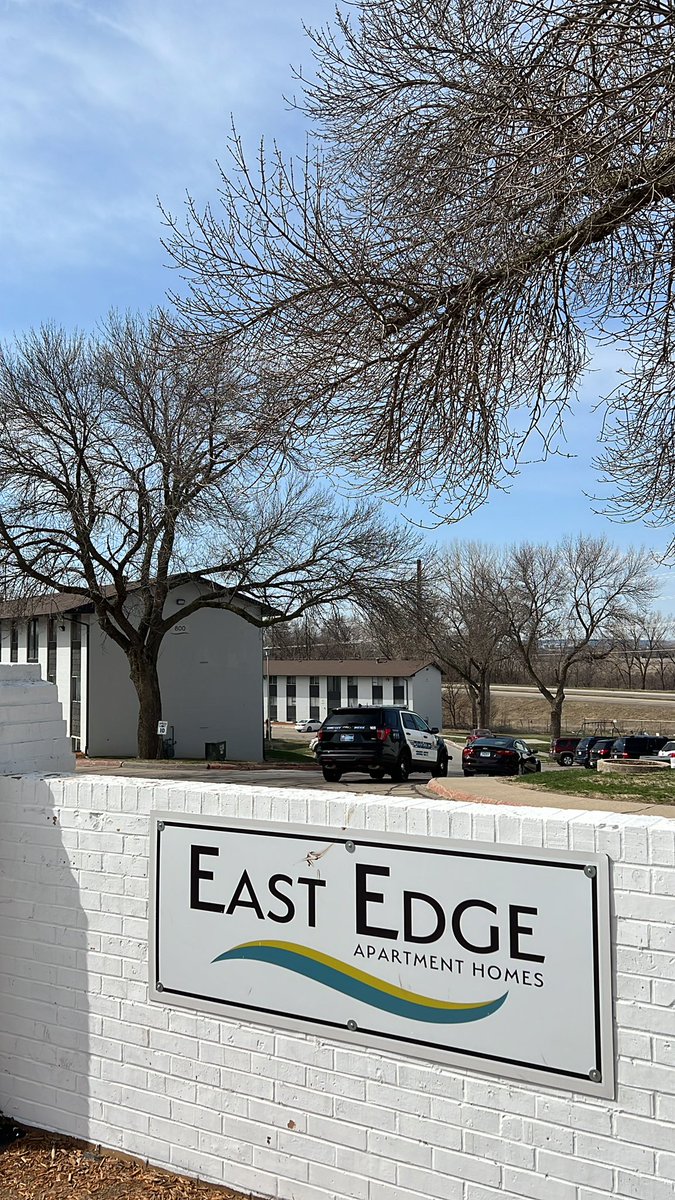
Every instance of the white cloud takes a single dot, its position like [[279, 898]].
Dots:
[[105, 104]]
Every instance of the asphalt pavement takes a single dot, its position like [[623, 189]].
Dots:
[[455, 787], [295, 777]]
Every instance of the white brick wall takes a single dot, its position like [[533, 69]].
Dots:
[[298, 1117], [32, 729]]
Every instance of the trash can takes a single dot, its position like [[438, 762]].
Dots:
[[215, 751]]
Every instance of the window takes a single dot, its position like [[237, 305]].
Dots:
[[273, 710], [51, 650], [334, 691], [272, 685], [290, 712], [313, 689], [314, 712], [408, 721], [33, 640], [13, 642], [352, 691], [377, 688], [290, 687], [399, 690], [75, 683]]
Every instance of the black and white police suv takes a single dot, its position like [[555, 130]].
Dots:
[[381, 741]]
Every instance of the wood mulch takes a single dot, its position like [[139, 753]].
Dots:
[[46, 1166]]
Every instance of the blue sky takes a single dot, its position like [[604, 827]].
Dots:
[[106, 105]]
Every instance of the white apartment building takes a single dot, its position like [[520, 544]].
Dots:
[[210, 671], [308, 690]]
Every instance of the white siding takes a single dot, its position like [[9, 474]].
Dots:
[[422, 693], [425, 695], [211, 681]]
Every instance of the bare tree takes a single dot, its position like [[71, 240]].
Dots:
[[643, 642], [456, 714], [336, 634], [568, 603], [128, 465], [491, 186], [466, 629]]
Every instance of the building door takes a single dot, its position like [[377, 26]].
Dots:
[[334, 692]]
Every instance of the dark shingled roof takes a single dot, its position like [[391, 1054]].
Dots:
[[54, 604]]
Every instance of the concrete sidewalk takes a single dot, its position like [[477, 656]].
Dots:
[[488, 790]]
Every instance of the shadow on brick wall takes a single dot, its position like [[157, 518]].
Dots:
[[45, 943]]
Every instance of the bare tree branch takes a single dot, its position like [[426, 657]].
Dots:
[[491, 185]]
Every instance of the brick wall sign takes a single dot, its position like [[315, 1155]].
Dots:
[[495, 958]]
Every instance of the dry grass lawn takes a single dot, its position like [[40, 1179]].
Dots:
[[533, 713]]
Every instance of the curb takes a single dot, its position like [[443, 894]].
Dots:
[[446, 792], [164, 763]]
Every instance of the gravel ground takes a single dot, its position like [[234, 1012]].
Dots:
[[44, 1166]]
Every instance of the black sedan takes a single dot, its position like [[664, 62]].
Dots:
[[499, 756], [600, 749]]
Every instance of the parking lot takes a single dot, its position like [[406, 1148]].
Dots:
[[293, 777]]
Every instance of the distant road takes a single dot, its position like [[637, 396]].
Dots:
[[606, 695]]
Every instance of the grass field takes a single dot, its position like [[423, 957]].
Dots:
[[288, 750], [531, 712], [656, 789]]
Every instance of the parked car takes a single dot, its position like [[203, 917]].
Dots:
[[667, 751], [477, 733], [499, 756], [308, 726], [562, 750], [637, 744], [582, 754], [381, 741], [601, 749]]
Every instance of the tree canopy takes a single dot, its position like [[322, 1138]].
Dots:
[[490, 188], [131, 463]]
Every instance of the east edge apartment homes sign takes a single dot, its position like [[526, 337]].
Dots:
[[495, 958]]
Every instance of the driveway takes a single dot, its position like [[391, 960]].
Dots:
[[290, 777]]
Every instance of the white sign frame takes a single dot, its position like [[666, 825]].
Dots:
[[598, 1081]]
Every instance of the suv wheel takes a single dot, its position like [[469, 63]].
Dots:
[[331, 774], [376, 772], [403, 768], [566, 760], [440, 767]]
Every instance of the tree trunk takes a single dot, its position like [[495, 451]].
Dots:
[[484, 707], [556, 718], [474, 706], [144, 676]]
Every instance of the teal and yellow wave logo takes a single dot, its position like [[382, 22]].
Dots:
[[342, 977]]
